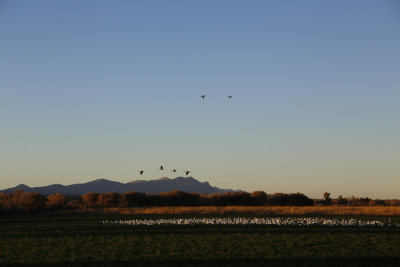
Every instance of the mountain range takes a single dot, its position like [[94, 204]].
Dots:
[[186, 184]]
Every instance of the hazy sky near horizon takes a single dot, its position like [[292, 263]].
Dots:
[[102, 89]]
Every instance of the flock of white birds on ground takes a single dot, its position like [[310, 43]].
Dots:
[[174, 170], [273, 221]]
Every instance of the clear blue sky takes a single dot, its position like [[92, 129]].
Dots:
[[102, 89]]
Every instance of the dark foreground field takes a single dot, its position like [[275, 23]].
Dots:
[[82, 240]]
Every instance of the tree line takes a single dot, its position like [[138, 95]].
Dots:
[[180, 198], [20, 201], [357, 201]]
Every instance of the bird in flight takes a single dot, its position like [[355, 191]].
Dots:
[[230, 96], [173, 170], [203, 96], [187, 172], [161, 168], [141, 172]]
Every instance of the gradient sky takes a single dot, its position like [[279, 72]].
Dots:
[[102, 89]]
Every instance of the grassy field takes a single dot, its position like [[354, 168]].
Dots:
[[256, 210], [83, 240]]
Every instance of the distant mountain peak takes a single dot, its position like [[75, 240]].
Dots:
[[185, 178], [100, 180], [164, 184], [136, 181], [164, 179], [21, 186]]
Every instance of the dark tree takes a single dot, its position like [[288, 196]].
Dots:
[[327, 199]]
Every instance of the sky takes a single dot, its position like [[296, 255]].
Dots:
[[103, 89]]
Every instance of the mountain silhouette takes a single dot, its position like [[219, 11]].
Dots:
[[165, 184]]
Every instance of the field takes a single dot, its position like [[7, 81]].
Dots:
[[257, 210], [56, 239]]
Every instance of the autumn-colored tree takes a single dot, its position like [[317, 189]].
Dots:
[[5, 202], [89, 200], [379, 202], [394, 202], [108, 200], [56, 201], [16, 198], [372, 202], [30, 201], [355, 201], [21, 201]]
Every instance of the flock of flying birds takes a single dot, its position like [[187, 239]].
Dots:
[[174, 170], [204, 96], [162, 168]]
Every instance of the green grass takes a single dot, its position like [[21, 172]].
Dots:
[[82, 240]]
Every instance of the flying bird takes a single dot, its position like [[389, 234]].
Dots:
[[203, 96], [161, 168], [230, 96], [141, 172], [173, 170], [187, 172]]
